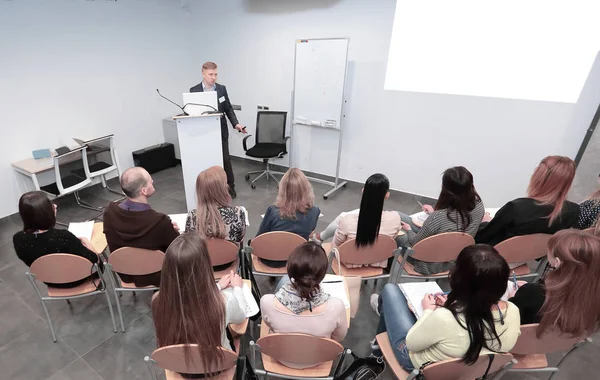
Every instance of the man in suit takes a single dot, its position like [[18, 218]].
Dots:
[[209, 83]]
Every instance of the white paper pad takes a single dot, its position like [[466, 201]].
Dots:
[[492, 211], [415, 291], [82, 230], [180, 219], [419, 217], [335, 287], [252, 307]]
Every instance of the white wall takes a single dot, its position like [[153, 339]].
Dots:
[[411, 137], [76, 68]]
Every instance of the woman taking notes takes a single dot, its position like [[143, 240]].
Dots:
[[458, 209], [300, 305], [40, 238], [566, 299], [294, 210], [371, 220], [190, 307], [470, 321], [545, 210], [215, 216]]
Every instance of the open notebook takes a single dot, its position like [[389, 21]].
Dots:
[[82, 230], [419, 217], [252, 307], [414, 293], [335, 287]]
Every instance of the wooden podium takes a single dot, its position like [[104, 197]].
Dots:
[[199, 140]]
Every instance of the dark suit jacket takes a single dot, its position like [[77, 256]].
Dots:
[[224, 107]]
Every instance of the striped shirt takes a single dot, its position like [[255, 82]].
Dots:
[[438, 222]]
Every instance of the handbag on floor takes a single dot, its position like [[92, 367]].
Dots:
[[369, 368]]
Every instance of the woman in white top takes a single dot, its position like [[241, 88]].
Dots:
[[190, 308], [301, 305]]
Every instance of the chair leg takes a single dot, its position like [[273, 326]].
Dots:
[[264, 173], [84, 204], [112, 314], [68, 302], [49, 321], [119, 311]]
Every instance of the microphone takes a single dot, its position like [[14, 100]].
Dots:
[[170, 101], [214, 110]]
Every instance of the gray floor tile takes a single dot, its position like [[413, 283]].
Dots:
[[34, 356], [122, 355], [78, 370], [16, 319]]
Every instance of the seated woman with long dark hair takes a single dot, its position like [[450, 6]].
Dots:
[[470, 321], [300, 305], [371, 221], [458, 209], [545, 210], [40, 238], [566, 298], [190, 308]]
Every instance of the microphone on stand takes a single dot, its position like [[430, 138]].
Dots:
[[170, 101]]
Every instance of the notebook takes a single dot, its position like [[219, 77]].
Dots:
[[419, 217], [82, 230], [180, 219], [492, 211], [252, 307], [414, 293], [335, 287]]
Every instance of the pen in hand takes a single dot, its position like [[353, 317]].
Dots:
[[515, 280]]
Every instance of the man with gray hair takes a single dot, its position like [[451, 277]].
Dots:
[[133, 223]]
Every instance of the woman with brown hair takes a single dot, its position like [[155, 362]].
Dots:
[[40, 238], [215, 216], [294, 210], [545, 210], [565, 299], [300, 305], [190, 308]]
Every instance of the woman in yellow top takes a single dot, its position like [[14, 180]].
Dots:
[[470, 321]]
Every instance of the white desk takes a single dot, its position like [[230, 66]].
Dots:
[[31, 168]]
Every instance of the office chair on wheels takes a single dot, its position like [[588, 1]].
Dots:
[[270, 142]]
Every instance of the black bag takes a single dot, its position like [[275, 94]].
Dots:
[[248, 275], [370, 368], [244, 370]]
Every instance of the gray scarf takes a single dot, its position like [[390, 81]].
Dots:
[[289, 297]]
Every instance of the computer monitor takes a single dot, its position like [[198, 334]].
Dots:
[[192, 101]]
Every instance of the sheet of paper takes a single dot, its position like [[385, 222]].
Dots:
[[180, 219], [252, 307], [420, 216], [415, 291], [335, 287], [82, 230]]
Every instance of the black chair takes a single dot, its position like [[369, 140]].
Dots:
[[271, 142]]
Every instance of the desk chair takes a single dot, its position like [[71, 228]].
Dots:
[[276, 245], [270, 142], [452, 369], [62, 268], [221, 252], [519, 250], [172, 360], [69, 183], [133, 262], [530, 351]]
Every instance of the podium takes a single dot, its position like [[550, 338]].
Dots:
[[199, 139]]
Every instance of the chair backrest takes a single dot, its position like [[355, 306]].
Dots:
[[136, 261], [105, 143], [276, 245], [172, 358], [456, 370], [270, 127], [528, 343], [524, 248], [61, 268], [61, 160], [221, 251], [381, 250], [299, 349], [442, 247]]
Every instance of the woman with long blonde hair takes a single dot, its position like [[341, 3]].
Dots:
[[215, 216], [190, 307], [545, 210], [565, 298], [294, 210]]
